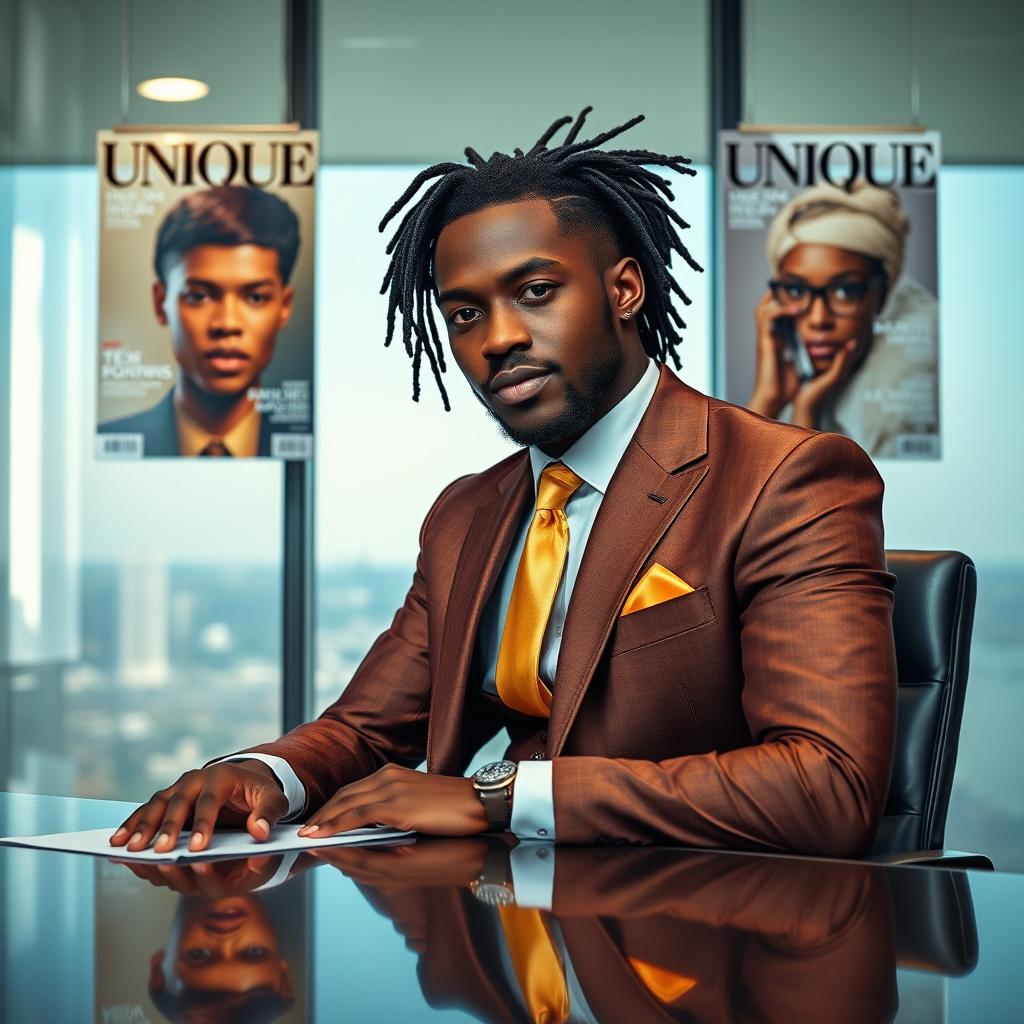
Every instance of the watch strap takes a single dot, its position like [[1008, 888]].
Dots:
[[497, 806]]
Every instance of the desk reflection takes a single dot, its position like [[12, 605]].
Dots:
[[639, 935], [535, 933], [222, 941]]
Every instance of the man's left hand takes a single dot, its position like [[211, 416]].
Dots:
[[439, 805]]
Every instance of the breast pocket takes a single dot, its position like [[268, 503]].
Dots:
[[661, 621]]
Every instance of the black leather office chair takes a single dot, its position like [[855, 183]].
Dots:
[[932, 622], [936, 929]]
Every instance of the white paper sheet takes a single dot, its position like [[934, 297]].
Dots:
[[224, 843]]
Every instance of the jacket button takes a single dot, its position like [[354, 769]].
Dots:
[[537, 755]]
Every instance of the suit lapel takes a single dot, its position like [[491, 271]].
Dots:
[[630, 522], [480, 563], [162, 433]]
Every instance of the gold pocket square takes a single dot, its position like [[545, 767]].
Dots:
[[656, 585]]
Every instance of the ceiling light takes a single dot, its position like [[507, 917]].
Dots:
[[172, 90]]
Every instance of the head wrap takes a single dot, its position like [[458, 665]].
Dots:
[[866, 220]]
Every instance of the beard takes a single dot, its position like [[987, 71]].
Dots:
[[580, 402]]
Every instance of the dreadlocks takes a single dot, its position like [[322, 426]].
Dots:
[[611, 189]]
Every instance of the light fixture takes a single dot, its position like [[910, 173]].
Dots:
[[172, 90]]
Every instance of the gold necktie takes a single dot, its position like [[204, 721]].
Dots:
[[536, 964], [517, 676]]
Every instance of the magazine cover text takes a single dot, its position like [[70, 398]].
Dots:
[[829, 294]]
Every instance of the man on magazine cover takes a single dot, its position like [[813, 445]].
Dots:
[[678, 610], [223, 260]]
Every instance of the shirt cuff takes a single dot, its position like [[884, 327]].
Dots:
[[281, 874], [533, 874], [294, 791], [533, 805]]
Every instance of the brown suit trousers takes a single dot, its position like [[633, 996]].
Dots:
[[757, 711]]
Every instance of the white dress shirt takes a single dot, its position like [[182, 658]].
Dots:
[[594, 458]]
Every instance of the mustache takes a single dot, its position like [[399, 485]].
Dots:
[[516, 359]]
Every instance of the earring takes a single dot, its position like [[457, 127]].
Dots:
[[627, 314]]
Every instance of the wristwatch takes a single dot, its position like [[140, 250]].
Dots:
[[494, 886], [494, 784]]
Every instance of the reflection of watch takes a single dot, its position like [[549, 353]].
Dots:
[[494, 784], [494, 886]]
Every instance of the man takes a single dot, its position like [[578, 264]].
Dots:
[[223, 961], [223, 260], [678, 610]]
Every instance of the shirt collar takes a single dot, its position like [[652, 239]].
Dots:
[[595, 456], [242, 440]]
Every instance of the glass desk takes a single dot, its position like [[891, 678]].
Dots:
[[428, 931]]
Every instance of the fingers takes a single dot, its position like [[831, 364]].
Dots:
[[359, 805], [207, 809], [201, 796], [268, 804], [179, 809], [836, 369], [139, 827], [344, 816], [766, 313]]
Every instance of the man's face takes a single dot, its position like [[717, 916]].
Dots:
[[858, 292], [224, 305], [225, 945], [530, 320]]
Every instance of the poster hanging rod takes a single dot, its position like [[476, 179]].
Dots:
[[829, 129], [290, 126]]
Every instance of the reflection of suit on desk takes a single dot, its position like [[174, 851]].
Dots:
[[757, 710], [159, 428], [753, 940]]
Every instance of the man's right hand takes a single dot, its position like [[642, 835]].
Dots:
[[228, 793]]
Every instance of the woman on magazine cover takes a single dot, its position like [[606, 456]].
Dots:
[[846, 342]]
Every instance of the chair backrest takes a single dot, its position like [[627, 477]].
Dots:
[[932, 621]]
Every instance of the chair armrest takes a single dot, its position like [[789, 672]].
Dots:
[[935, 858]]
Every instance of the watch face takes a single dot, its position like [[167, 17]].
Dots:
[[495, 773], [494, 894]]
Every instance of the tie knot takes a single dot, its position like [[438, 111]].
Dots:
[[556, 486], [216, 448]]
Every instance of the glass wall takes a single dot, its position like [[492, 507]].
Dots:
[[959, 70], [140, 603], [430, 82]]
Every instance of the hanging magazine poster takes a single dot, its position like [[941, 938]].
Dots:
[[829, 284], [206, 293]]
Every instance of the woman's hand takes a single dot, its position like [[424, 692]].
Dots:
[[808, 400], [775, 380]]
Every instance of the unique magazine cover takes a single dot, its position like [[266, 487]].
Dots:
[[829, 284], [206, 293]]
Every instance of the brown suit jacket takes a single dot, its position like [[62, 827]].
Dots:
[[757, 711], [765, 939]]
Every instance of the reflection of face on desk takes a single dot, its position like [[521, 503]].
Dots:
[[218, 950]]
